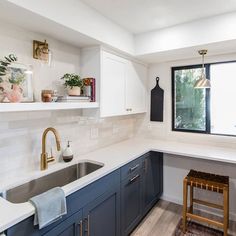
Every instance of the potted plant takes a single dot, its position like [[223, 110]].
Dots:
[[73, 83]]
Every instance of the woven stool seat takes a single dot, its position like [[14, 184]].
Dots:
[[210, 182], [207, 181]]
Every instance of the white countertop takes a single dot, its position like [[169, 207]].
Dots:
[[113, 157]]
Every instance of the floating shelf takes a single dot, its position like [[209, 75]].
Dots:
[[40, 106]]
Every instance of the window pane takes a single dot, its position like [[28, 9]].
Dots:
[[190, 105], [223, 97]]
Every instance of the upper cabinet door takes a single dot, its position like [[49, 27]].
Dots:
[[135, 88], [113, 74]]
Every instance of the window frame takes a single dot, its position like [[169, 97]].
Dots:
[[207, 99]]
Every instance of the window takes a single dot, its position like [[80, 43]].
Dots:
[[205, 110]]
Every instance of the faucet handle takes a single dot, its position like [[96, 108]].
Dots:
[[51, 158]]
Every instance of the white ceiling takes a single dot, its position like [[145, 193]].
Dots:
[[140, 16]]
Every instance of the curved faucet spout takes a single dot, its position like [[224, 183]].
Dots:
[[44, 155]]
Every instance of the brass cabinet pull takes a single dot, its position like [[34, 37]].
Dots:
[[134, 178], [81, 228], [80, 225], [131, 169]]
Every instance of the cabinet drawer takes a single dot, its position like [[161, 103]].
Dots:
[[131, 168], [131, 202]]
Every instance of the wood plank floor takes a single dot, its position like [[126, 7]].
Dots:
[[163, 219]]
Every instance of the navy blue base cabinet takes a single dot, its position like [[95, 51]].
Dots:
[[152, 179], [102, 216], [141, 189], [72, 226], [111, 206]]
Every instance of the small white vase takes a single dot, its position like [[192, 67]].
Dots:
[[74, 91]]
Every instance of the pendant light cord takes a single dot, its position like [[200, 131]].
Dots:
[[203, 66]]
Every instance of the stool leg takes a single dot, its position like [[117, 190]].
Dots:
[[226, 210], [191, 199], [185, 204]]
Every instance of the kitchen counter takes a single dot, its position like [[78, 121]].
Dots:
[[113, 157]]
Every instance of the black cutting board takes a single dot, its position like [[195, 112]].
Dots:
[[157, 102]]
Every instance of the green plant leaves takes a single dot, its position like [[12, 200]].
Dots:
[[72, 80], [5, 63]]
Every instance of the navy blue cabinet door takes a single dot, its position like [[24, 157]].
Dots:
[[72, 226], [102, 216], [131, 202], [152, 179]]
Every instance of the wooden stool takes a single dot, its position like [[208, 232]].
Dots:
[[211, 182]]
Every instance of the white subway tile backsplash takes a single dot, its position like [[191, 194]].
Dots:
[[20, 139]]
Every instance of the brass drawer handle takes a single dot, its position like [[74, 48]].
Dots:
[[133, 168], [134, 178]]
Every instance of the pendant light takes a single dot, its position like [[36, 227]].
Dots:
[[202, 82]]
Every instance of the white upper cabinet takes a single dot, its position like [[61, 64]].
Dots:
[[122, 82], [135, 88], [112, 94]]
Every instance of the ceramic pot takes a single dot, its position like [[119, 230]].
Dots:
[[15, 94], [74, 91]]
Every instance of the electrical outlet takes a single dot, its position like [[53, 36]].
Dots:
[[94, 133]]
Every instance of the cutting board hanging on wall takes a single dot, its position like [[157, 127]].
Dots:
[[157, 102]]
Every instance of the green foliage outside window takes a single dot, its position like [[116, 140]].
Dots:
[[190, 103]]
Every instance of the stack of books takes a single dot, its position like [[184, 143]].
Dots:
[[68, 98], [91, 84]]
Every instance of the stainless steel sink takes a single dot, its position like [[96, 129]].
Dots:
[[60, 178]]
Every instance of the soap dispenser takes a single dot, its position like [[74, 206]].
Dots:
[[67, 154]]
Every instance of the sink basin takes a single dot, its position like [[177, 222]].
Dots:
[[60, 178]]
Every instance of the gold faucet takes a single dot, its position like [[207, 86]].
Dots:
[[44, 156]]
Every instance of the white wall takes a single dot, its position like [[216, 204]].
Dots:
[[20, 133], [176, 167], [200, 32], [79, 17]]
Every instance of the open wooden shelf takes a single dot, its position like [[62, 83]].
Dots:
[[40, 106]]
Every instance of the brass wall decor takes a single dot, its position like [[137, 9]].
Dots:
[[41, 50]]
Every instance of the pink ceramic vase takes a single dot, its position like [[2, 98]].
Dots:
[[15, 95]]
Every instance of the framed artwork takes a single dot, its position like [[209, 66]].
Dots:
[[17, 84]]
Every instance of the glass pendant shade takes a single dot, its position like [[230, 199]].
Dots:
[[202, 82]]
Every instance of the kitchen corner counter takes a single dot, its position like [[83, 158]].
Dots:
[[113, 157]]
